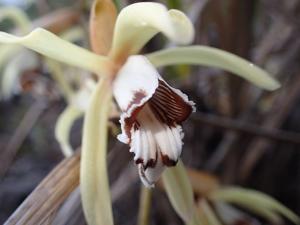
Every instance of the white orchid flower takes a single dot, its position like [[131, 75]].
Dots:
[[152, 111]]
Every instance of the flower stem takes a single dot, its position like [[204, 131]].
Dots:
[[144, 208]]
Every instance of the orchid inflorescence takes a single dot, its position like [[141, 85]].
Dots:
[[151, 110]]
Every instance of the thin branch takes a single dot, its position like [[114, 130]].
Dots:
[[25, 126], [240, 126]]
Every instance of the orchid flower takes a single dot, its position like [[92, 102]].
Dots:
[[152, 110]]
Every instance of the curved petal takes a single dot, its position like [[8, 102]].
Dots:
[[63, 127], [208, 56], [20, 19], [151, 114], [136, 76], [93, 170], [139, 22], [136, 83], [102, 22], [48, 44]]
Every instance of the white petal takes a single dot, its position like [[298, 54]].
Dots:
[[138, 82], [135, 83], [150, 175], [158, 140], [139, 22]]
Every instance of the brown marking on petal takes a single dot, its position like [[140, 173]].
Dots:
[[167, 161], [139, 161], [150, 163], [169, 107], [131, 121], [138, 96], [136, 125]]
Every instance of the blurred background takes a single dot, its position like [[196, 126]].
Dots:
[[240, 134]]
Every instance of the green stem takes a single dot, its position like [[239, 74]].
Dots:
[[144, 207]]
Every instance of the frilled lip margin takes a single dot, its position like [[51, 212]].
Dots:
[[169, 105]]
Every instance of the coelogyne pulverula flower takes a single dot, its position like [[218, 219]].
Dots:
[[151, 110], [151, 115]]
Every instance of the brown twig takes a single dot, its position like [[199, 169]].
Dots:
[[275, 118], [240, 126], [59, 20]]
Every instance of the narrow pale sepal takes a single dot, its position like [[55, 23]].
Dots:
[[94, 185], [63, 128], [179, 191], [208, 56], [48, 44], [17, 16], [138, 23], [102, 22]]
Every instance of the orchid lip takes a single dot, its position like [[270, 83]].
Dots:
[[152, 113]]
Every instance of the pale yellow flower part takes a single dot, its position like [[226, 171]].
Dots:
[[138, 23], [17, 16], [93, 169], [48, 44], [63, 127], [180, 192], [208, 56]]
